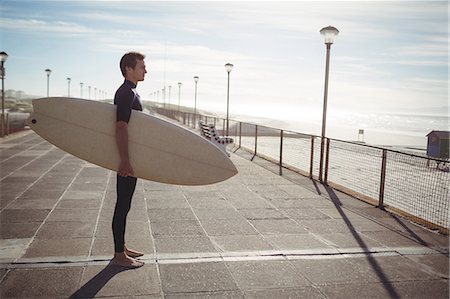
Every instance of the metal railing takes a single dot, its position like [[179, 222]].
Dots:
[[413, 186]]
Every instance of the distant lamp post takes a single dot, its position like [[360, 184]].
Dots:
[[48, 71], [170, 87], [89, 92], [228, 67], [3, 57], [329, 33], [195, 101], [81, 90], [68, 87], [179, 94]]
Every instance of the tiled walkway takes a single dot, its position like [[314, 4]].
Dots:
[[257, 235]]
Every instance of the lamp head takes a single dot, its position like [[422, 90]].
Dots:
[[329, 34], [48, 71], [228, 67], [196, 79], [3, 56]]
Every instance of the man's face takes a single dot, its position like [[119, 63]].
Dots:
[[138, 73]]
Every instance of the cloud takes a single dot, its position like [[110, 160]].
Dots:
[[36, 26]]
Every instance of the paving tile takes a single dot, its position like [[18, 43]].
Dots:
[[110, 281], [334, 271], [156, 215], [183, 245], [326, 226], [23, 215], [219, 214], [241, 243], [209, 203], [196, 277], [257, 214], [305, 214], [278, 226], [295, 242], [228, 227], [65, 230], [266, 274], [288, 293], [206, 295], [18, 230], [250, 203], [419, 289], [83, 195], [85, 215], [79, 204], [37, 194], [58, 247], [346, 240], [438, 264], [391, 239], [393, 268], [167, 203], [33, 204], [44, 283], [177, 228]]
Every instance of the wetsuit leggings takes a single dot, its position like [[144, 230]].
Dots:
[[125, 190]]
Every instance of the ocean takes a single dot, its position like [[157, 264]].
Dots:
[[390, 130]]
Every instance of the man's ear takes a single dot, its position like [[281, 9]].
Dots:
[[128, 69]]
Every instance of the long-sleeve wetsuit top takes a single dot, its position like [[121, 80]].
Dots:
[[126, 98]]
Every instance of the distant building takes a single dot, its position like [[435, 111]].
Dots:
[[438, 144]]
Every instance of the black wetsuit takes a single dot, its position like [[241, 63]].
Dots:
[[126, 99]]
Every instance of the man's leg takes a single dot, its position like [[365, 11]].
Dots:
[[125, 190]]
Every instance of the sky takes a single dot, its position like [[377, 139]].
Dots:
[[388, 56]]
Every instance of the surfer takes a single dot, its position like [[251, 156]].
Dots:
[[132, 66]]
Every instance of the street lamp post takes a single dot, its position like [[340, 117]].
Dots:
[[81, 90], [170, 87], [179, 95], [68, 87], [195, 100], [329, 34], [228, 67], [3, 57], [48, 71]]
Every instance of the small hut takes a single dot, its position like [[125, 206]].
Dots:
[[438, 144]]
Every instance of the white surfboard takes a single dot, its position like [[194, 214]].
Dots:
[[159, 150]]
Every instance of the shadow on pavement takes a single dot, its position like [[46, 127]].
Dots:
[[373, 263], [93, 286]]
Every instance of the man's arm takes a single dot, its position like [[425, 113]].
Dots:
[[125, 168]]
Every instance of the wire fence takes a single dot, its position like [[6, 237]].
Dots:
[[415, 187]]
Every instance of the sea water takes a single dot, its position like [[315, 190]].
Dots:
[[394, 130]]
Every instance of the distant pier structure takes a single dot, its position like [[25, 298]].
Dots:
[[361, 135], [438, 144]]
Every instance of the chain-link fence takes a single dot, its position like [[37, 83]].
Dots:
[[413, 186]]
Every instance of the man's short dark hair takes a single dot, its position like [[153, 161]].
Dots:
[[129, 60]]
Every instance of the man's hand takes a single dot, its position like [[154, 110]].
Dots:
[[125, 169]]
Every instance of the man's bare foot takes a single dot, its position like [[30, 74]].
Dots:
[[133, 253], [123, 260]]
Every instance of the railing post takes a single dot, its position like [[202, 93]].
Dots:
[[311, 161], [223, 127], [256, 142], [281, 152], [240, 134], [327, 156], [383, 180]]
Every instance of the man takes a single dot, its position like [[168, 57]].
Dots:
[[126, 98]]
